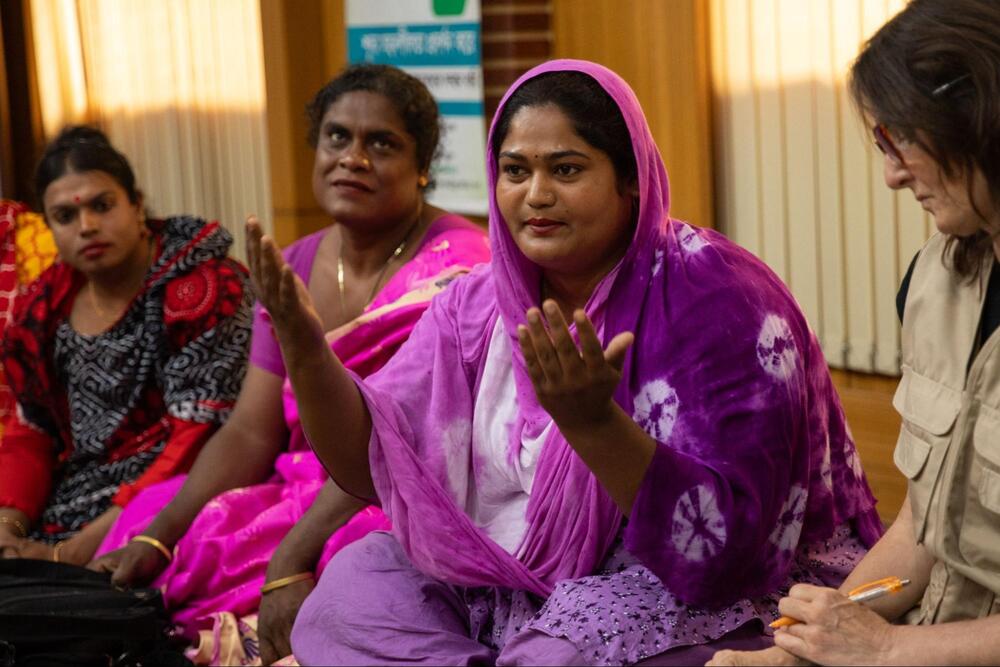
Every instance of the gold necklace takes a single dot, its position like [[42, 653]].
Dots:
[[385, 267], [92, 292]]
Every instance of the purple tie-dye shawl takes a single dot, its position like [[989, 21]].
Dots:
[[754, 456]]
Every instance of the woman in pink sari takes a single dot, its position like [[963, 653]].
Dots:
[[372, 275]]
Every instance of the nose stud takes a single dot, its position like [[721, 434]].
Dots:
[[346, 161]]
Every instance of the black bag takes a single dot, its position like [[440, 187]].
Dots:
[[59, 614]]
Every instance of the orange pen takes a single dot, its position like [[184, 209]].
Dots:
[[870, 591]]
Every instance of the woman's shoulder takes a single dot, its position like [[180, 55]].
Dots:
[[215, 288], [185, 243], [467, 302], [453, 222], [710, 260], [451, 241], [304, 249], [46, 294], [452, 231], [201, 283], [707, 271]]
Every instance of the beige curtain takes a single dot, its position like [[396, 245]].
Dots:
[[798, 181], [178, 86]]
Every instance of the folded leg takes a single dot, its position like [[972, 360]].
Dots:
[[372, 606]]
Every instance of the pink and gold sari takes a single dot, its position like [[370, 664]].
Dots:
[[212, 587]]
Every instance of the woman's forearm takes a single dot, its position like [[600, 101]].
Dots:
[[227, 462], [897, 554], [80, 548], [302, 547], [333, 412], [975, 642], [618, 452], [240, 453]]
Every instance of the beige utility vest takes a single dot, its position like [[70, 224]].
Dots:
[[949, 445]]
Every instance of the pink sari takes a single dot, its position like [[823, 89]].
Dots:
[[219, 565]]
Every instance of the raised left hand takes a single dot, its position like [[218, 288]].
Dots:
[[575, 384], [833, 630]]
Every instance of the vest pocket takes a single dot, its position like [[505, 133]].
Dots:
[[911, 453], [986, 463], [926, 404], [929, 410], [989, 490], [977, 538]]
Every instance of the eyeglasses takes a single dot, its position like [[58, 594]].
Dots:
[[883, 141]]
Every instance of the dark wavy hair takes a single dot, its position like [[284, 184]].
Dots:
[[406, 92], [932, 75], [593, 113], [80, 148]]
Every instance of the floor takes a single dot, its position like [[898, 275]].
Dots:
[[867, 401]]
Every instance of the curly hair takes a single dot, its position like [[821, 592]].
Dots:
[[407, 93]]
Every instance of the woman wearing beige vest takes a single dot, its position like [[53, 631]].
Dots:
[[929, 82]]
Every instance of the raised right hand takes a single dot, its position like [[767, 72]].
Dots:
[[135, 564]]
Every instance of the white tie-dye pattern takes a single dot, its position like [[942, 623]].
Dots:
[[455, 440], [776, 348], [655, 409], [657, 261], [691, 241], [698, 530], [826, 471], [851, 454], [786, 533]]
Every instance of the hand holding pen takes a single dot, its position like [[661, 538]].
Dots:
[[827, 627], [864, 593]]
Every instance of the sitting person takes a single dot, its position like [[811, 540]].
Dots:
[[929, 82], [558, 494], [123, 357], [371, 275], [26, 249]]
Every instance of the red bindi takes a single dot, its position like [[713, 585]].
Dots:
[[76, 199]]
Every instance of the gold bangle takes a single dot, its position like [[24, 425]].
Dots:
[[10, 521], [156, 544], [56, 549], [285, 581]]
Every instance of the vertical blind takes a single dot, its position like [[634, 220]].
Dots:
[[798, 181]]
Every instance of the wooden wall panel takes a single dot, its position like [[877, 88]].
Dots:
[[304, 46], [662, 50]]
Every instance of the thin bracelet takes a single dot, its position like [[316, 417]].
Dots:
[[285, 581], [56, 549], [10, 521], [156, 544]]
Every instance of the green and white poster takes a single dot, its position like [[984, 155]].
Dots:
[[437, 41]]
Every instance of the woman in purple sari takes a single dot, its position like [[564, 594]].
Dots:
[[643, 481], [257, 513]]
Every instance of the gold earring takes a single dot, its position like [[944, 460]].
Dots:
[[423, 181]]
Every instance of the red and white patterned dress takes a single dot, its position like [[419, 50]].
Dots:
[[101, 417]]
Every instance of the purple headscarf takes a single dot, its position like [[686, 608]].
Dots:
[[724, 374]]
